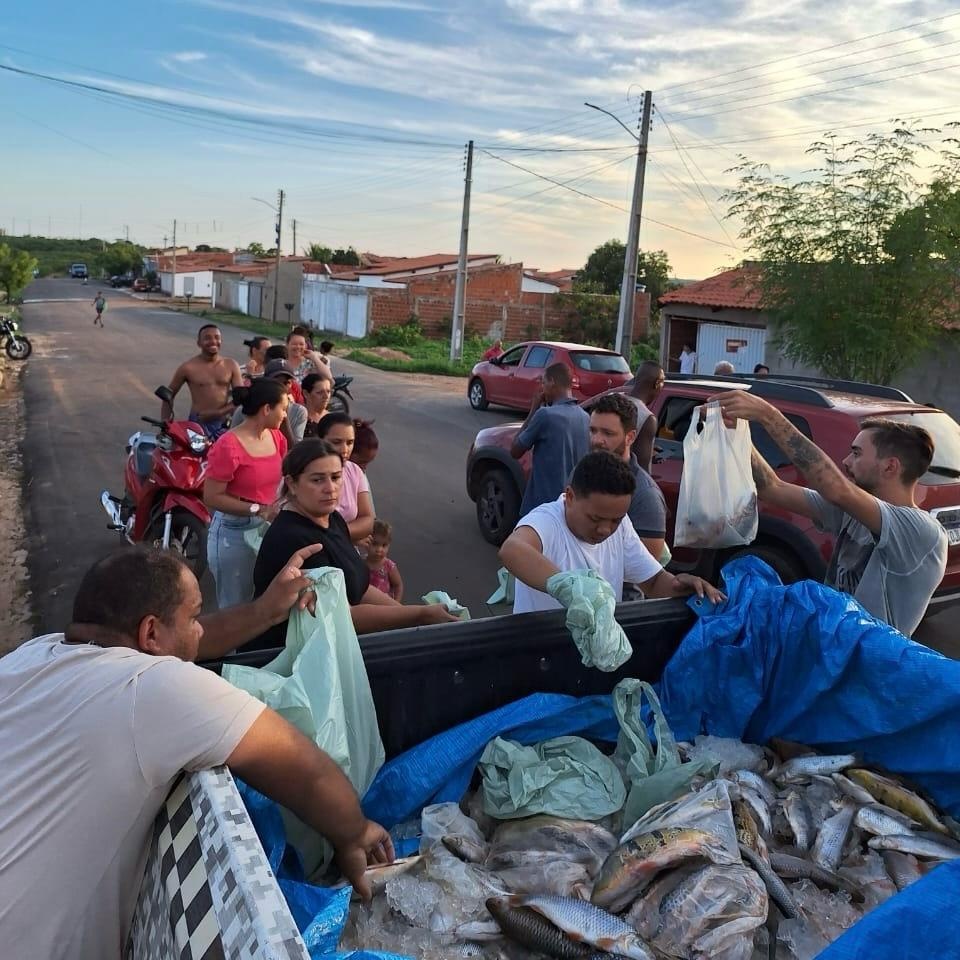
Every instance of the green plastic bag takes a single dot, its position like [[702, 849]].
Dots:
[[565, 777], [319, 683], [506, 585], [591, 618], [656, 774], [454, 607]]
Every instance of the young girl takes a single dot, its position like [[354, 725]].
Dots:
[[384, 574]]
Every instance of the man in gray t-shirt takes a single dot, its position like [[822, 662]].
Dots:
[[557, 430], [889, 554]]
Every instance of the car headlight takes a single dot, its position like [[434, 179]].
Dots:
[[198, 442]]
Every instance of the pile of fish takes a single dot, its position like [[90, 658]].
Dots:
[[774, 856]]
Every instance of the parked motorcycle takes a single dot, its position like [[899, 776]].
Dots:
[[341, 387], [18, 347], [162, 503]]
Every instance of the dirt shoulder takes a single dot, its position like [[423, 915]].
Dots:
[[15, 599]]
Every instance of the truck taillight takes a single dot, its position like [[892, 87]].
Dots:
[[575, 382]]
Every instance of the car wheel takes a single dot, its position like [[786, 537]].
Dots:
[[785, 564], [498, 505], [477, 395]]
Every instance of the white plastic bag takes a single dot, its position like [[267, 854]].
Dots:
[[319, 683], [717, 506]]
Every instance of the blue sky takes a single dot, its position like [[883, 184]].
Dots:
[[360, 110]]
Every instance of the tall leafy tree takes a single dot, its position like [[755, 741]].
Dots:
[[319, 252], [603, 271], [16, 270], [347, 256], [257, 249], [858, 260]]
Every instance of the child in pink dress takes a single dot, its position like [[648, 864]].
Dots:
[[384, 574]]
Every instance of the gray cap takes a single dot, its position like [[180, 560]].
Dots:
[[277, 369]]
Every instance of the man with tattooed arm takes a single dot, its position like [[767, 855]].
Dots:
[[889, 554]]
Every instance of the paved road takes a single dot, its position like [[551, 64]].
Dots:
[[86, 388]]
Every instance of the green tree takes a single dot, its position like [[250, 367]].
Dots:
[[16, 270], [348, 256], [603, 271], [257, 249], [858, 260], [121, 257], [318, 252]]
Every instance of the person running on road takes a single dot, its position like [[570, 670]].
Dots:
[[558, 431], [110, 712], [210, 379], [889, 555], [99, 304]]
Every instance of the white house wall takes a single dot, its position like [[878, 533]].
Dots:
[[336, 307]]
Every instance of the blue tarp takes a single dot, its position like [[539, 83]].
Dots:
[[800, 662]]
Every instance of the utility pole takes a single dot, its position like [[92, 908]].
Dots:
[[173, 286], [628, 288], [126, 228], [294, 237], [460, 291], [276, 279]]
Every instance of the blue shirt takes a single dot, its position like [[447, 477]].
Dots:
[[560, 438]]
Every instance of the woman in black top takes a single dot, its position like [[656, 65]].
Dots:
[[312, 475]]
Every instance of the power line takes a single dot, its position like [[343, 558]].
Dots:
[[806, 53], [607, 203]]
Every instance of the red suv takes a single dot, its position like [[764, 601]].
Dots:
[[513, 379], [829, 412]]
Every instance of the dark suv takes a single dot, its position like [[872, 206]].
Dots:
[[827, 411]]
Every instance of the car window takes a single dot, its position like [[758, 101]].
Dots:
[[512, 357], [946, 444], [677, 414], [537, 357], [599, 362]]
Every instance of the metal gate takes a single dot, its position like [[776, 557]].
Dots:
[[339, 308], [744, 347]]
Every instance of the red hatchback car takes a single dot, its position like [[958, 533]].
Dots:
[[513, 379]]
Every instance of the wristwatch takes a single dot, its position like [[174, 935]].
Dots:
[[254, 509]]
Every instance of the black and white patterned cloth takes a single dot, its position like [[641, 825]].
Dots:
[[208, 891]]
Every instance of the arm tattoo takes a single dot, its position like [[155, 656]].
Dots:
[[818, 469], [763, 475]]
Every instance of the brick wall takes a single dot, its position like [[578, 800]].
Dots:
[[495, 306]]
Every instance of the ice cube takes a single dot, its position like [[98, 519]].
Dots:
[[729, 753]]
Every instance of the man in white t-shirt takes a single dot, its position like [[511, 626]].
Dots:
[[96, 725], [587, 528], [688, 359]]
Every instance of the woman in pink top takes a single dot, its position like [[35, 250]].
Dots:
[[241, 486], [356, 505]]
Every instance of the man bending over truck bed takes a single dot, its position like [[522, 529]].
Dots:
[[587, 528], [95, 726], [889, 554]]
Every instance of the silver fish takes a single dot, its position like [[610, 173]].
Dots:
[[380, 875], [828, 848], [873, 819], [775, 886], [756, 783], [533, 931], [853, 790], [924, 847], [797, 812], [902, 867], [583, 922], [758, 808], [801, 768]]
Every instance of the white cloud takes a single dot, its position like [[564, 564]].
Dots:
[[188, 56]]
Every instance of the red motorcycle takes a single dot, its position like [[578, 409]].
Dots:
[[162, 502]]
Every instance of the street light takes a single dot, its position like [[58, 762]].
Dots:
[[628, 286], [288, 307]]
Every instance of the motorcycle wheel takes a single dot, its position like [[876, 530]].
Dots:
[[337, 404], [188, 539], [19, 348]]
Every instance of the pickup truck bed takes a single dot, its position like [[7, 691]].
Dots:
[[208, 889], [428, 679]]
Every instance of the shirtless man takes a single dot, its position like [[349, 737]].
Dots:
[[210, 379]]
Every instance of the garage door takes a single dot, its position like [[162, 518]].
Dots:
[[744, 347]]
